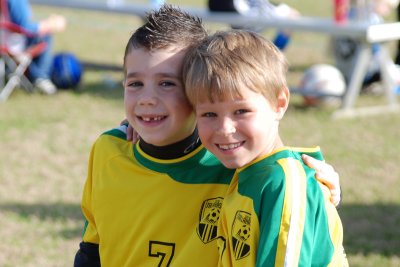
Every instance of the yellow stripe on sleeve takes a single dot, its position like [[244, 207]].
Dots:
[[293, 214]]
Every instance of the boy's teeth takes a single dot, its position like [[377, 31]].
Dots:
[[229, 146], [152, 118]]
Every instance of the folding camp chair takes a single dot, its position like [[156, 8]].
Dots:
[[15, 57]]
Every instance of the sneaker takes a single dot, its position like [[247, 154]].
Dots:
[[375, 88], [45, 86]]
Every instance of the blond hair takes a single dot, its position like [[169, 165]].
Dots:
[[226, 62]]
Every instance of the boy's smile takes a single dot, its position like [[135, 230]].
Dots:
[[230, 146], [152, 119], [240, 130], [155, 101]]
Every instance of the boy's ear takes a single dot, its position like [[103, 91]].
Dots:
[[282, 102]]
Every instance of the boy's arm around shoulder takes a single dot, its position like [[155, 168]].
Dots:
[[326, 174], [109, 144], [88, 253]]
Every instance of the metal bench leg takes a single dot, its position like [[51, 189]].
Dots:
[[355, 83]]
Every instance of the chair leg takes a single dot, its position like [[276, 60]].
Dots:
[[24, 62], [10, 86], [26, 84], [2, 72], [17, 78]]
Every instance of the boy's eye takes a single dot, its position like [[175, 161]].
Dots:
[[241, 111], [208, 114], [134, 84], [167, 84]]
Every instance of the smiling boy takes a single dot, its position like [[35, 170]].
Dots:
[[274, 213]]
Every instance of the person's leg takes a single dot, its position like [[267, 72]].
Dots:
[[282, 39], [40, 67]]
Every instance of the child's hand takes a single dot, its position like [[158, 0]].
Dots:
[[327, 175], [131, 134], [52, 24], [58, 23]]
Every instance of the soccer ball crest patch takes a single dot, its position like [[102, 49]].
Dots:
[[208, 221], [240, 234]]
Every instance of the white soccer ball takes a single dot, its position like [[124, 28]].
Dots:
[[322, 84]]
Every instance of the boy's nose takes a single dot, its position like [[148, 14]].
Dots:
[[226, 127], [148, 97], [147, 100]]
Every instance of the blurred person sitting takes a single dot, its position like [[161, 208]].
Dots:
[[260, 8], [20, 13], [347, 48]]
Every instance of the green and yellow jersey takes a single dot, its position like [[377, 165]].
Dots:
[[275, 213], [144, 211]]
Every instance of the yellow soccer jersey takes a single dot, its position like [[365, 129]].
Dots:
[[276, 214], [144, 211]]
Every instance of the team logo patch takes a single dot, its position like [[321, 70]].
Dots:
[[240, 235], [209, 216]]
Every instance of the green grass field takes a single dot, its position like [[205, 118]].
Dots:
[[45, 143]]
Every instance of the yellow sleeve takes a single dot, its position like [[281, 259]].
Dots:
[[90, 234]]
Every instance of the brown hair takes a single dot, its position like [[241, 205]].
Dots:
[[222, 64], [165, 28]]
